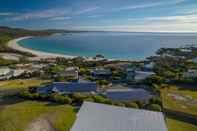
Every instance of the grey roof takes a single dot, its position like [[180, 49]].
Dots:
[[101, 71], [69, 87], [128, 94], [100, 117]]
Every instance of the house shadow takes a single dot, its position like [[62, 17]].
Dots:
[[181, 116]]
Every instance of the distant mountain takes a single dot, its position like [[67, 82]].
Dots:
[[19, 32]]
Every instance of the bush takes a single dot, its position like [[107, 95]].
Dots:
[[154, 107], [89, 99], [84, 71], [78, 98], [102, 82], [99, 99], [119, 104], [107, 101], [155, 100], [90, 78], [60, 99], [131, 105], [139, 103]]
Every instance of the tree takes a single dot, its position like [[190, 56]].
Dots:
[[155, 79], [84, 71], [102, 82]]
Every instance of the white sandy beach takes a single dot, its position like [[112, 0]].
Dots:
[[43, 55], [40, 55]]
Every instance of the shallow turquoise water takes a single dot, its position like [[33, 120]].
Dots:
[[128, 46]]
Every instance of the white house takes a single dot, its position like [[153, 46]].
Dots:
[[191, 73], [141, 75], [70, 72], [5, 73]]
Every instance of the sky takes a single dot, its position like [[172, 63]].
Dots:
[[101, 15]]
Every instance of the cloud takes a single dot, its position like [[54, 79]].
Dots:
[[60, 18], [94, 16], [49, 13], [87, 10], [148, 5], [181, 19], [167, 27]]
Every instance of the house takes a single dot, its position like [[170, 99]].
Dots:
[[130, 73], [101, 117], [141, 75], [5, 73], [70, 72], [194, 60], [18, 72], [101, 73], [128, 94], [191, 73], [69, 88], [148, 67]]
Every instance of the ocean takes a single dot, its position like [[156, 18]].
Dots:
[[113, 45]]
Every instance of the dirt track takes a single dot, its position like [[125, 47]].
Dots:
[[40, 124]]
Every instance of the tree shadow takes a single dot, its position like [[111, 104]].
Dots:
[[10, 99], [190, 87], [53, 104]]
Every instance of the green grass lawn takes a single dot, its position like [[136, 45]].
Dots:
[[16, 117], [21, 84], [180, 105], [176, 125], [187, 102]]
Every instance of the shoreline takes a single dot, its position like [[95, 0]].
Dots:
[[39, 54]]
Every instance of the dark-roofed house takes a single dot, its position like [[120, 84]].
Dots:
[[128, 94], [101, 73], [101, 117], [68, 88]]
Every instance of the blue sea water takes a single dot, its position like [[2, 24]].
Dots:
[[115, 45]]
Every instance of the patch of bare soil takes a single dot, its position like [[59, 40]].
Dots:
[[40, 124]]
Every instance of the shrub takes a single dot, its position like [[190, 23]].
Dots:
[[90, 78], [131, 105], [139, 103], [107, 101], [89, 99], [78, 98], [60, 99], [119, 104], [155, 100], [99, 99], [102, 82], [154, 107], [84, 71]]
